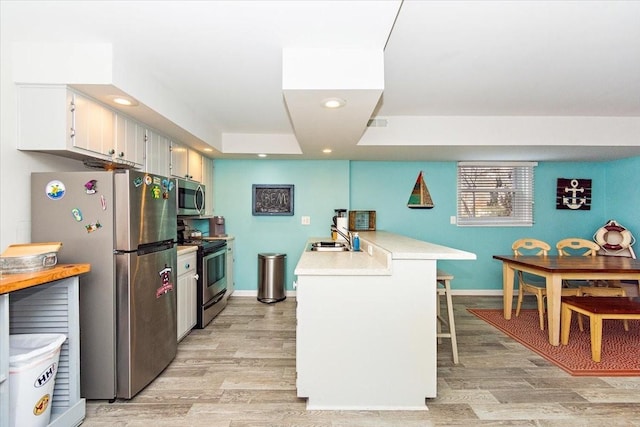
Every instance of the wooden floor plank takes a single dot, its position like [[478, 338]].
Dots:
[[240, 372]]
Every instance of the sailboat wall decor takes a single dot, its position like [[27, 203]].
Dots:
[[420, 197]]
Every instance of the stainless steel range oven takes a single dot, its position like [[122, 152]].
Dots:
[[212, 280], [212, 276]]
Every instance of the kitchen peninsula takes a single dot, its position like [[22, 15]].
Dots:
[[366, 324]]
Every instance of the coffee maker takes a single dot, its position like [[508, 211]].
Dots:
[[216, 227], [183, 232], [341, 222]]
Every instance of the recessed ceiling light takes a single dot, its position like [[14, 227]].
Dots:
[[262, 155], [123, 100], [333, 103], [327, 150], [208, 150]]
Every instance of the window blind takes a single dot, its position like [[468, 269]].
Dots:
[[495, 194]]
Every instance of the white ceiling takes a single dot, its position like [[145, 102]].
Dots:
[[456, 80]]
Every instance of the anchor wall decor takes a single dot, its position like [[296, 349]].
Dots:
[[573, 194]]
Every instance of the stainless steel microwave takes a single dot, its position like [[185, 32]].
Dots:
[[190, 197]]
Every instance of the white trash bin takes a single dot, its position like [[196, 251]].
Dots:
[[33, 364]]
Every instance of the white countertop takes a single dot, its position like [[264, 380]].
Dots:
[[386, 247], [183, 250], [340, 263], [403, 247], [226, 237]]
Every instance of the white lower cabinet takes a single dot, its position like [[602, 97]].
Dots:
[[187, 293], [230, 277]]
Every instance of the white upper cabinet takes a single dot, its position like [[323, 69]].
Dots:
[[195, 166], [185, 162], [92, 126], [54, 119], [130, 140], [179, 160], [58, 120], [207, 180], [157, 156]]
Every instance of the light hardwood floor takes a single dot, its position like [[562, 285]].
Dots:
[[240, 372]]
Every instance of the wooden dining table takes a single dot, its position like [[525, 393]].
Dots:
[[555, 269]]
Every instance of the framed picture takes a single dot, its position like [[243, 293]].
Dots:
[[573, 194], [272, 199]]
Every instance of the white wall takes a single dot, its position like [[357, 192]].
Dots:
[[16, 166]]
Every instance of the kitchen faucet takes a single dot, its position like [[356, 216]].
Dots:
[[346, 237]]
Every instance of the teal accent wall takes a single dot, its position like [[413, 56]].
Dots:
[[623, 194], [386, 186], [321, 186]]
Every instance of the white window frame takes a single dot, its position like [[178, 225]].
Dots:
[[512, 196]]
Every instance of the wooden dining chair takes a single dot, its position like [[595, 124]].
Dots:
[[575, 246], [530, 283]]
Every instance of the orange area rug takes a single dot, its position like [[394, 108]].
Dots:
[[620, 349]]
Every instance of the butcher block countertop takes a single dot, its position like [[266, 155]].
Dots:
[[18, 281]]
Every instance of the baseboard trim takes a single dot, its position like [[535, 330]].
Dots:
[[460, 292]]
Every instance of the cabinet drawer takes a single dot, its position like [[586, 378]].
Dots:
[[187, 263]]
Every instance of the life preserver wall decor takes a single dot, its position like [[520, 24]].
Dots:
[[614, 239], [574, 194]]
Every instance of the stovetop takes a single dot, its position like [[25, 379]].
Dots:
[[204, 245]]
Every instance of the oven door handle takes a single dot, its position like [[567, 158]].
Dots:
[[215, 299]]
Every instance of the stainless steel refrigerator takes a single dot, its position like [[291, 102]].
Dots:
[[123, 223]]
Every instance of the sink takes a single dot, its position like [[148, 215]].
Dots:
[[328, 247], [335, 249]]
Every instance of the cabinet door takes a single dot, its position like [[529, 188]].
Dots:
[[186, 294], [179, 160], [182, 296], [192, 309], [230, 261], [93, 126], [130, 140], [158, 151], [195, 166], [207, 180]]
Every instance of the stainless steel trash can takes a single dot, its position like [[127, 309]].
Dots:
[[271, 286]]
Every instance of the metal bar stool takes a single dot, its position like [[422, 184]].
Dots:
[[443, 281]]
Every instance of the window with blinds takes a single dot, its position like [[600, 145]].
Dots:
[[495, 194]]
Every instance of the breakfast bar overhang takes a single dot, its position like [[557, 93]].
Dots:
[[366, 324]]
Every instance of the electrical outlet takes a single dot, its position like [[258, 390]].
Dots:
[[306, 220], [452, 220]]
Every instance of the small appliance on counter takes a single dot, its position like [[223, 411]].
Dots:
[[216, 227], [341, 222]]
